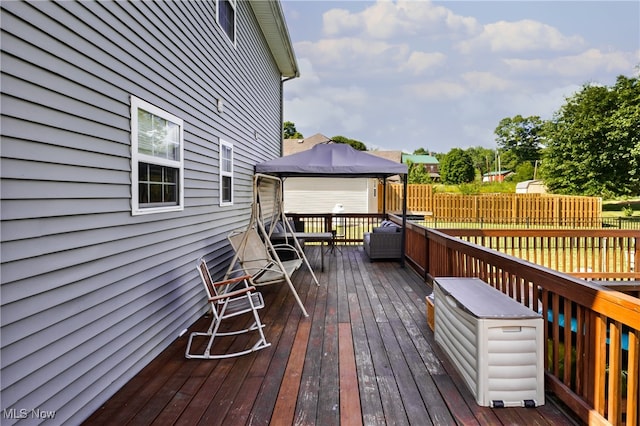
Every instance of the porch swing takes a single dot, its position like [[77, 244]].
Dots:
[[257, 256]]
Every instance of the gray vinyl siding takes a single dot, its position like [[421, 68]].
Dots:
[[320, 195], [89, 293]]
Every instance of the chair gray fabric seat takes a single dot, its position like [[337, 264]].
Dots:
[[259, 259], [384, 242]]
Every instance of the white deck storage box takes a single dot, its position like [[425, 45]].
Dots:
[[495, 342]]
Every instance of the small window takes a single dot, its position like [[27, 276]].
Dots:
[[227, 18], [226, 173], [156, 159]]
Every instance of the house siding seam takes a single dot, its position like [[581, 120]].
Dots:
[[89, 293]]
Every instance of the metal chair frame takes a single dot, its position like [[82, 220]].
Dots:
[[229, 298]]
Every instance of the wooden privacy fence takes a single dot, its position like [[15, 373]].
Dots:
[[488, 208], [419, 198], [592, 355]]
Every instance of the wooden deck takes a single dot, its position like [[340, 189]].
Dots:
[[364, 356]]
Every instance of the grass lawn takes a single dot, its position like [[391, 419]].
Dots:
[[477, 188], [613, 208]]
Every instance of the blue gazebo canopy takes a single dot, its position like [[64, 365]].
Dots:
[[332, 160]]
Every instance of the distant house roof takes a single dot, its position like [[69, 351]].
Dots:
[[498, 173], [293, 146], [419, 159], [389, 155], [272, 23]]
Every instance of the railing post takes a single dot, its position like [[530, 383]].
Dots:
[[427, 259]]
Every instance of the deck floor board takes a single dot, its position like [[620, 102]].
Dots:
[[365, 347]]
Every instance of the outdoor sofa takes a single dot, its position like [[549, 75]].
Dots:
[[385, 242]]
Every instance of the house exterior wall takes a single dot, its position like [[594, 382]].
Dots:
[[320, 195], [372, 195], [89, 292]]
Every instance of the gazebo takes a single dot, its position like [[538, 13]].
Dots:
[[339, 160]]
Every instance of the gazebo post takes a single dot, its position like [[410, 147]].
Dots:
[[404, 218], [384, 195]]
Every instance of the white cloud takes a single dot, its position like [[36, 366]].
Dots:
[[318, 108], [418, 62], [486, 82], [521, 36], [308, 80], [351, 53], [440, 90], [312, 86], [386, 19], [339, 21], [581, 66]]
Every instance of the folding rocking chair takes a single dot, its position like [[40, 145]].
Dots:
[[229, 298], [258, 259]]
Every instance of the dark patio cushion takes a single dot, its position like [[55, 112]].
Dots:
[[387, 229]]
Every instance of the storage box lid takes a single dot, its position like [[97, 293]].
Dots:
[[481, 300]]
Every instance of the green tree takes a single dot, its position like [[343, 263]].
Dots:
[[289, 131], [417, 173], [507, 160], [354, 143], [482, 158], [457, 167], [523, 171], [520, 137], [593, 142]]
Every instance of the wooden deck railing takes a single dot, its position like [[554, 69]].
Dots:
[[593, 354], [592, 360], [349, 227], [596, 255]]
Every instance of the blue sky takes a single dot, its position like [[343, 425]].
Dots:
[[402, 75]]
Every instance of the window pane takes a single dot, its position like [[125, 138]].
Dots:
[[143, 193], [173, 141], [226, 189], [171, 175], [227, 18], [143, 172], [155, 193], [226, 158], [170, 193], [145, 132], [155, 173], [158, 137], [158, 185]]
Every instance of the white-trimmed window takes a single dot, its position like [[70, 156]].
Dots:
[[226, 173], [226, 15], [157, 165]]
